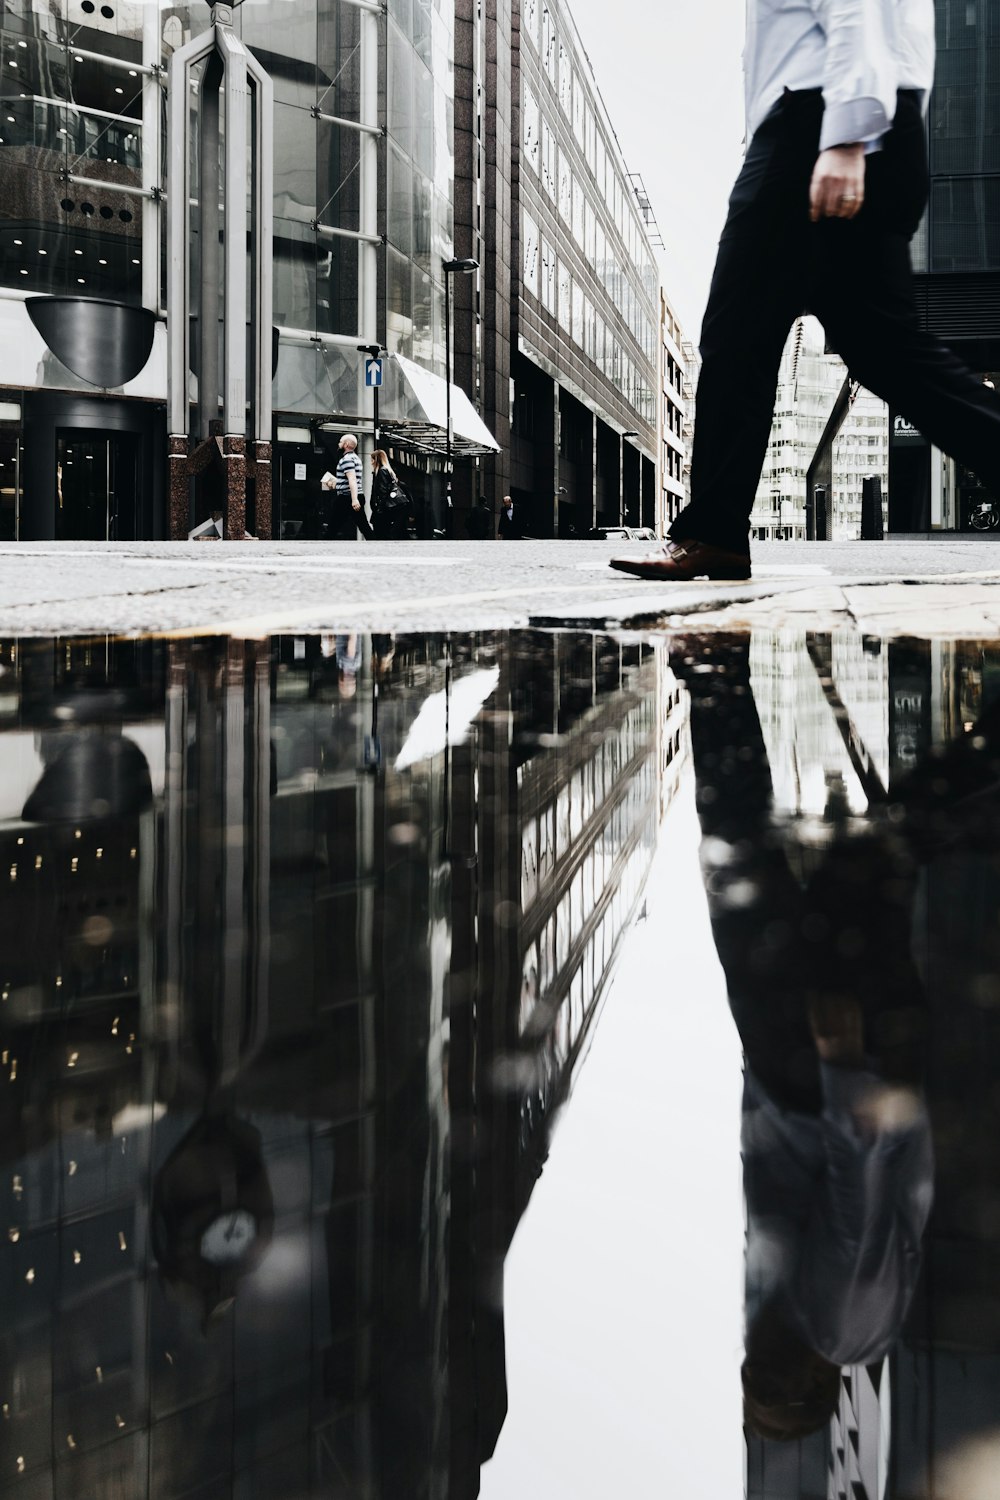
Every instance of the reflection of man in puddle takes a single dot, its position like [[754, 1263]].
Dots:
[[347, 650], [823, 989]]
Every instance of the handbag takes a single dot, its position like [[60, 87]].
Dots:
[[398, 495]]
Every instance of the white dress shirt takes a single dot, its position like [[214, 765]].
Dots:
[[837, 1204], [859, 52]]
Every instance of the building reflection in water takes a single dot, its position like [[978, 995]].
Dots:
[[302, 946], [849, 793], [302, 943]]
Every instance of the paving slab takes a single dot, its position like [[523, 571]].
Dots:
[[263, 587]]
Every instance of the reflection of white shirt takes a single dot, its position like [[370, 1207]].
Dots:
[[837, 1204], [859, 52]]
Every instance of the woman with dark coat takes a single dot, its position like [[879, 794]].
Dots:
[[390, 521]]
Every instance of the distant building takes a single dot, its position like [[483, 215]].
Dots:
[[145, 386], [673, 418], [861, 451], [585, 335], [692, 370], [808, 382]]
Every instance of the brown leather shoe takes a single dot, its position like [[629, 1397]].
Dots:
[[678, 562]]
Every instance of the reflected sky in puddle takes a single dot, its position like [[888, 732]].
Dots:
[[306, 942]]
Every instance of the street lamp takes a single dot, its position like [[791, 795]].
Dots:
[[464, 268], [631, 433]]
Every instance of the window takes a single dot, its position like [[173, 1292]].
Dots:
[[578, 216], [549, 57], [530, 259], [578, 109], [548, 270], [565, 296], [589, 328], [565, 188], [549, 179], [531, 124], [577, 330], [565, 81], [591, 140], [591, 233], [530, 16]]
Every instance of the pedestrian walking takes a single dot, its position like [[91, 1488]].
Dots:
[[833, 187], [390, 500], [479, 522], [349, 504], [507, 528], [836, 1139]]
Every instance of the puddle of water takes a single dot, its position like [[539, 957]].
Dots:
[[372, 1108]]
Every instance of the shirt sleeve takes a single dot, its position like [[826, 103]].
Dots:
[[859, 75], [860, 1254]]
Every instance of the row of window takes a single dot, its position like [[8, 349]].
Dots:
[[560, 1036], [546, 959], [549, 836], [550, 281], [540, 140], [563, 186]]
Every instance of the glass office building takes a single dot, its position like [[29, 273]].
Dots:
[[363, 221], [585, 432], [956, 254]]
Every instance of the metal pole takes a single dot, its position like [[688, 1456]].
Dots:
[[447, 372], [375, 414], [208, 202]]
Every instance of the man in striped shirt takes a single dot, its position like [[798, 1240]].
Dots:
[[349, 509]]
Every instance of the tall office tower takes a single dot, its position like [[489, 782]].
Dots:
[[956, 253], [808, 382]]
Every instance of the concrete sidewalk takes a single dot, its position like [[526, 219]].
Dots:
[[944, 586]]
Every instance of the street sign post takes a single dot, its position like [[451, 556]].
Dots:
[[373, 380]]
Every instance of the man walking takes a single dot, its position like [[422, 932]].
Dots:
[[833, 187], [350, 501], [507, 530]]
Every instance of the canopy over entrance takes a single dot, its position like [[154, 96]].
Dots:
[[414, 413]]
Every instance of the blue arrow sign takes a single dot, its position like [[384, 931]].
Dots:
[[373, 372]]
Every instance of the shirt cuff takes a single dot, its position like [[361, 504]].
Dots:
[[856, 120]]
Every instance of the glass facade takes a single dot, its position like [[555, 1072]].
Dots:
[[604, 270], [78, 93], [962, 229], [71, 147], [420, 171]]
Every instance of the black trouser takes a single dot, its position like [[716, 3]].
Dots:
[[345, 520], [855, 276], [839, 926]]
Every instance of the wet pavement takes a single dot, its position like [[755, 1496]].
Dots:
[[257, 588], [519, 1063]]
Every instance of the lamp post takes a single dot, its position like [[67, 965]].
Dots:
[[465, 268], [630, 433]]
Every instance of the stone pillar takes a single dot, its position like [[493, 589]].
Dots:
[[263, 523], [178, 490], [234, 451]]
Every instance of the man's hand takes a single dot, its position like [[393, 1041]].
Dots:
[[355, 504], [838, 1029], [837, 190]]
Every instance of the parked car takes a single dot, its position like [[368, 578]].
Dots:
[[622, 534]]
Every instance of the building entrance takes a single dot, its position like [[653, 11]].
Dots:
[[10, 486], [97, 483]]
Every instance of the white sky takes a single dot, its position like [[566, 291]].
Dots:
[[623, 1290], [671, 77]]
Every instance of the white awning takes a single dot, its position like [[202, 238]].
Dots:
[[413, 413]]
